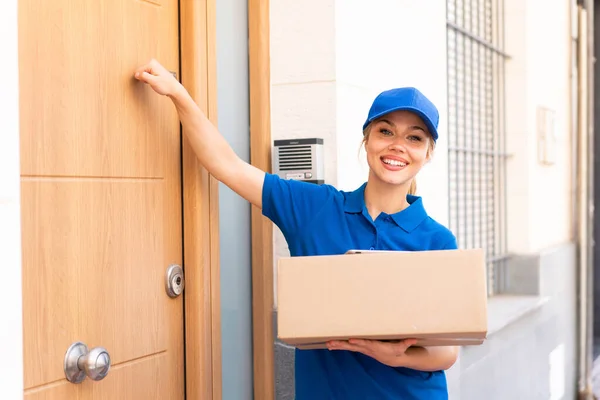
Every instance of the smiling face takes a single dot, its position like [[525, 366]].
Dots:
[[397, 145]]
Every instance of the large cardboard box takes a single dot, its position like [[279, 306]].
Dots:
[[436, 297]]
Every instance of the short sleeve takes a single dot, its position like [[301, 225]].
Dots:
[[291, 204], [450, 242]]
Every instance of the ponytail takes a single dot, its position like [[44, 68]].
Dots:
[[412, 189]]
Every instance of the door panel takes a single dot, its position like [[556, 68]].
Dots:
[[111, 284], [101, 197], [138, 380], [77, 60]]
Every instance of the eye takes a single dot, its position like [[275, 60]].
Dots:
[[386, 132], [415, 138]]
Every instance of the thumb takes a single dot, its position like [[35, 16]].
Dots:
[[406, 343]]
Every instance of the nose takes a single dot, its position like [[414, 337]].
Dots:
[[398, 145]]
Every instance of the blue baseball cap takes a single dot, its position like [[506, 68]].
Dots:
[[409, 99]]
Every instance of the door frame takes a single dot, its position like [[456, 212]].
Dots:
[[200, 199], [262, 229], [201, 202], [200, 210]]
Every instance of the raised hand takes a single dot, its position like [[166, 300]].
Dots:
[[158, 77]]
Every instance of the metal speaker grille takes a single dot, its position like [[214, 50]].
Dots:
[[295, 157]]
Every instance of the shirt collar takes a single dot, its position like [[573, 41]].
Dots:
[[355, 201], [407, 219], [412, 216]]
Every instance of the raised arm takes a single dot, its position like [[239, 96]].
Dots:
[[212, 150]]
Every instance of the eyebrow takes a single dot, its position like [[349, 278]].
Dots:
[[418, 128], [412, 127]]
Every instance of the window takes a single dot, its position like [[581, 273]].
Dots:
[[476, 130]]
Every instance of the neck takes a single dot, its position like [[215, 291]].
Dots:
[[384, 197]]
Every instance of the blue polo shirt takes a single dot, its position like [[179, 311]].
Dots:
[[321, 220]]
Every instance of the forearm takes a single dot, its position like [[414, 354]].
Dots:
[[211, 148], [433, 358], [214, 153]]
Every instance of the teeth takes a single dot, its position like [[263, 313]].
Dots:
[[394, 162]]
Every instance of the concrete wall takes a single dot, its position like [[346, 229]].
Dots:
[[330, 58], [537, 76], [534, 356], [11, 334]]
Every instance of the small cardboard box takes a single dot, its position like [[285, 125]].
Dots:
[[436, 297]]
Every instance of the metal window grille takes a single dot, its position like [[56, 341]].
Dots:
[[476, 130]]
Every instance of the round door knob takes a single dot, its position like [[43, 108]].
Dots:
[[79, 363]]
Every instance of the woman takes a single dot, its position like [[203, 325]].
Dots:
[[399, 137]]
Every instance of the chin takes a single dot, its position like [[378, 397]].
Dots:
[[393, 180]]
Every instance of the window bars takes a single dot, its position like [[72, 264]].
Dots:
[[476, 130]]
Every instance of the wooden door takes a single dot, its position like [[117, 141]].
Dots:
[[101, 197]]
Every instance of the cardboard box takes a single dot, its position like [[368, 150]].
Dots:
[[437, 297]]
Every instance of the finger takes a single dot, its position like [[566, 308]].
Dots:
[[403, 345], [360, 342], [343, 345], [396, 348], [409, 342], [145, 77], [143, 68], [151, 68], [367, 344], [337, 344]]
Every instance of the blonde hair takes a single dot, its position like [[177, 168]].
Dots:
[[412, 189]]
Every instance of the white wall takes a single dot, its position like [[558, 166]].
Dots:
[[537, 76], [303, 74], [549, 84], [381, 44], [303, 88], [330, 58], [11, 342]]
